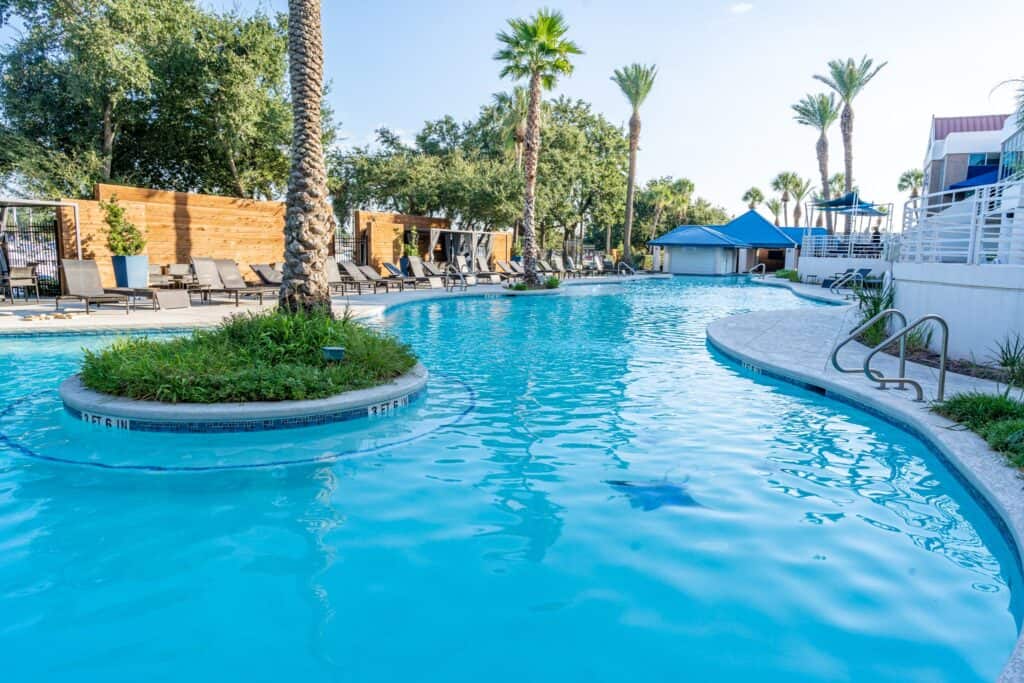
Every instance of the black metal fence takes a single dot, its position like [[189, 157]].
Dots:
[[30, 236], [348, 248]]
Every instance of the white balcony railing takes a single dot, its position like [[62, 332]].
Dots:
[[983, 225], [856, 245]]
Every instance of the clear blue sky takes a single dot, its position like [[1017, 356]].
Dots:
[[719, 113]]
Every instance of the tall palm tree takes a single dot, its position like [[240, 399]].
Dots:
[[801, 190], [668, 198], [309, 221], [848, 78], [753, 197], [513, 111], [785, 183], [819, 112], [635, 81], [911, 180], [775, 206], [535, 49], [837, 183]]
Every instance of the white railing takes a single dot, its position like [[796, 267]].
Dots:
[[856, 245], [981, 225]]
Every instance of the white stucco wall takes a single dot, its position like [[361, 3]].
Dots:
[[827, 267], [982, 303], [699, 260]]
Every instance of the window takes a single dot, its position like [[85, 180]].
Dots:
[[983, 159], [1013, 155]]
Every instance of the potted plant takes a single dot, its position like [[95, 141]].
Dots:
[[517, 251], [125, 241]]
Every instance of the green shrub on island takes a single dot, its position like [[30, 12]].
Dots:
[[519, 287], [249, 357], [552, 283], [790, 275]]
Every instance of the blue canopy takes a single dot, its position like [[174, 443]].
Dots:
[[696, 236], [755, 230], [850, 204], [798, 234], [988, 178]]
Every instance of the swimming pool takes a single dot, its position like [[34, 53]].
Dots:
[[586, 493]]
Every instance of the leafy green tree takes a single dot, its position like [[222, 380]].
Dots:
[[669, 199], [635, 81], [848, 78], [535, 49], [837, 183], [911, 180], [819, 111], [753, 197]]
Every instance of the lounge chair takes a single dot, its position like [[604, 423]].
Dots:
[[81, 280], [416, 267], [544, 268], [556, 261], [373, 276], [572, 268], [483, 272], [395, 273], [221, 276], [827, 282], [335, 281], [16, 277], [353, 277], [468, 274], [509, 273], [267, 274]]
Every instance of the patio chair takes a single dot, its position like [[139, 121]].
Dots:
[[373, 276], [81, 280], [353, 277], [462, 267], [572, 268], [483, 272], [545, 268], [335, 281], [16, 277], [233, 282], [267, 275], [395, 273], [556, 261], [827, 282], [508, 272], [416, 266]]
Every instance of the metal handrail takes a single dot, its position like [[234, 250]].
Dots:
[[625, 266], [763, 269], [889, 312], [453, 273], [841, 282], [902, 335]]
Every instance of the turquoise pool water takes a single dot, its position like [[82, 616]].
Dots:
[[585, 494]]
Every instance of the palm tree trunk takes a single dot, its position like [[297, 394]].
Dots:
[[846, 125], [634, 144], [658, 210], [308, 218], [530, 155], [826, 192], [785, 211], [797, 213], [107, 144]]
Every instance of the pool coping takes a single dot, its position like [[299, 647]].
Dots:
[[116, 412], [994, 483]]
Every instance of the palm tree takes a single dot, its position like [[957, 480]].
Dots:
[[513, 109], [848, 78], [800, 192], [535, 49], [911, 180], [775, 206], [635, 81], [309, 221], [785, 183], [837, 183], [753, 197], [819, 112]]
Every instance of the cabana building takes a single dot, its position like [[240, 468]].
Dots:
[[767, 244], [696, 250]]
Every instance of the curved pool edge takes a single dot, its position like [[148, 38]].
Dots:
[[995, 484], [117, 412], [802, 291]]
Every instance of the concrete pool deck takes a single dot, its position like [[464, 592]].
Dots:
[[796, 346], [26, 319]]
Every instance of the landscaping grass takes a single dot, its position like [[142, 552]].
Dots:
[[250, 357], [790, 275], [998, 419]]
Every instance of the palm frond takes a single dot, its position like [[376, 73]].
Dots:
[[818, 111], [849, 77], [635, 81]]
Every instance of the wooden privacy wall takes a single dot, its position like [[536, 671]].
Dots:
[[383, 233], [384, 236], [178, 226]]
